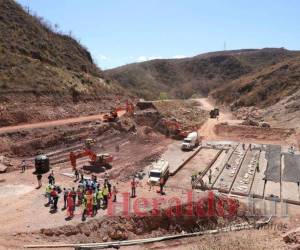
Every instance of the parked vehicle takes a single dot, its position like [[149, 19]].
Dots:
[[158, 170], [191, 141]]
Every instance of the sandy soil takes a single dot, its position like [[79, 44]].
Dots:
[[47, 124], [215, 129], [22, 206]]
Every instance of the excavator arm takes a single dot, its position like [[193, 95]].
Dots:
[[98, 160], [80, 154]]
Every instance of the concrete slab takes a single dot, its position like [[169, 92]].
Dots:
[[244, 179], [290, 190], [197, 164], [273, 155], [228, 175], [217, 167], [257, 189], [176, 157], [272, 191], [291, 170]]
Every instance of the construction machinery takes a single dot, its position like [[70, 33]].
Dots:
[[174, 129], [96, 160], [214, 113], [158, 170], [42, 164], [191, 141], [113, 115]]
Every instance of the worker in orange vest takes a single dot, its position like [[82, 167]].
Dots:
[[70, 206], [89, 202]]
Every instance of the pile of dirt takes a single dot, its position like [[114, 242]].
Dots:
[[187, 112], [5, 163], [189, 217], [241, 132], [29, 142]]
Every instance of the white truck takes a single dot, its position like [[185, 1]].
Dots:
[[158, 170], [191, 141]]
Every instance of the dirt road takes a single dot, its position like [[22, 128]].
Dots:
[[207, 130], [213, 130], [47, 124]]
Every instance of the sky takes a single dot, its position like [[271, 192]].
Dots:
[[119, 32]]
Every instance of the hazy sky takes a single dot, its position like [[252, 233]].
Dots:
[[118, 32]]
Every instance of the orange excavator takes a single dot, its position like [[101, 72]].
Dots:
[[96, 160], [113, 115], [174, 128]]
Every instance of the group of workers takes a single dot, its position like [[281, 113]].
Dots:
[[89, 194]]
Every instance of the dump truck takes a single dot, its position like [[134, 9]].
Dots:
[[158, 170], [214, 113], [42, 164], [191, 141]]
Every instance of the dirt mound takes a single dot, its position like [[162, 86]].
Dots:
[[252, 132], [170, 220]]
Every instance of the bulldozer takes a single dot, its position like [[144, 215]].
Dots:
[[214, 113]]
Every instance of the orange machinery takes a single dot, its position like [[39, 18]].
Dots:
[[97, 160], [113, 115], [175, 129]]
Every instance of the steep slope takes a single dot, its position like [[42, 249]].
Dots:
[[45, 75], [196, 75], [263, 88], [276, 89]]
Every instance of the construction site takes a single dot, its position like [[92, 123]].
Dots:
[[141, 141], [112, 138]]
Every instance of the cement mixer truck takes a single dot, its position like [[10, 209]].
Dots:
[[191, 141]]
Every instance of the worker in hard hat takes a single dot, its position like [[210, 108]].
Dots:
[[84, 208], [105, 194], [55, 197], [133, 187], [99, 197], [70, 206], [95, 203], [48, 191], [66, 193]]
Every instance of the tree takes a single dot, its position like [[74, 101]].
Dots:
[[163, 96]]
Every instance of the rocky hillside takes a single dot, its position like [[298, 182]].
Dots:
[[275, 89], [197, 75], [45, 74]]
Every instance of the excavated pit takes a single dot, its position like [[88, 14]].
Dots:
[[206, 214]]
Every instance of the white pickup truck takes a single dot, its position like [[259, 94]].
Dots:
[[191, 141], [158, 170]]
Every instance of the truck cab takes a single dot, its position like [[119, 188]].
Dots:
[[190, 142], [158, 170]]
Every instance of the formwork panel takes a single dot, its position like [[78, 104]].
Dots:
[[225, 180], [246, 174], [258, 183]]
